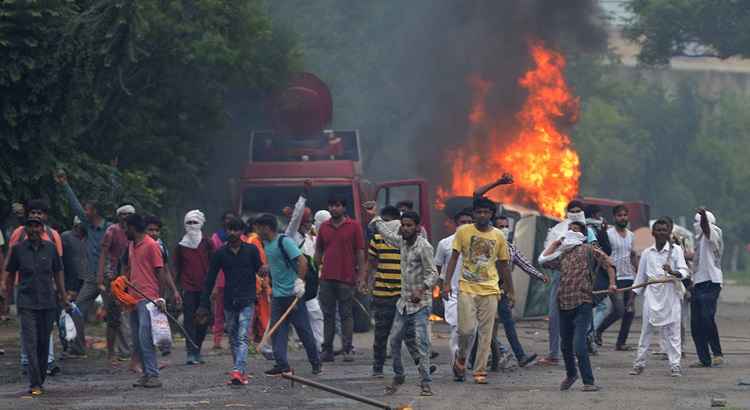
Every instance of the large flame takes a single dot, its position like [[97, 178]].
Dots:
[[545, 167]]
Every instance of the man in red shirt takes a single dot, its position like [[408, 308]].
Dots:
[[340, 252], [145, 270], [192, 258]]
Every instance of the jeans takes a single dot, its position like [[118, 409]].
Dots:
[[298, 318], [412, 330], [36, 337], [237, 323], [143, 340], [703, 321], [190, 303], [554, 317], [619, 301], [506, 317], [25, 356], [601, 311], [384, 312], [331, 295], [574, 325]]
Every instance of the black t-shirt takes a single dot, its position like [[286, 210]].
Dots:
[[36, 269], [239, 275]]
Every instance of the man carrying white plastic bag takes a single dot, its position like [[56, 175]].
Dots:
[[144, 270]]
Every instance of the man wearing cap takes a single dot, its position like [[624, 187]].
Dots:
[[37, 262], [37, 208], [708, 278]]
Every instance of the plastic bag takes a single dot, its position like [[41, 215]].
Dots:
[[67, 327], [160, 331]]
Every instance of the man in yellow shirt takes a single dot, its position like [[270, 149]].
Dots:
[[484, 253]]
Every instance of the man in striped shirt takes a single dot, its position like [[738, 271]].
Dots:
[[385, 266]]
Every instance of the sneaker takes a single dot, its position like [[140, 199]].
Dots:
[[426, 390], [377, 373], [235, 378], [36, 391], [636, 371], [152, 382], [676, 372], [525, 361], [140, 382], [53, 371], [549, 361], [327, 357], [590, 388], [277, 371], [192, 361], [717, 361], [697, 365], [567, 383], [348, 356], [317, 369]]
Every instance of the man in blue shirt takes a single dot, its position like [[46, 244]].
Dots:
[[288, 268]]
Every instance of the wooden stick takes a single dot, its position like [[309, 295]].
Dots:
[[278, 323], [642, 285], [340, 392]]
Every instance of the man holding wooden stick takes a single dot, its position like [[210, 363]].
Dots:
[[662, 302], [288, 267]]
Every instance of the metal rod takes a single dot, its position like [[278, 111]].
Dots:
[[172, 318], [330, 389]]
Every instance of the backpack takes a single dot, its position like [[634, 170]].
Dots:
[[311, 276]]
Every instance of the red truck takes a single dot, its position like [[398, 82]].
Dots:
[[301, 147]]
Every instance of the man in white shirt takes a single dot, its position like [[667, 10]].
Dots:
[[623, 257], [707, 279], [662, 303], [442, 257]]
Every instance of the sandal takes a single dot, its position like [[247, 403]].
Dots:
[[459, 370], [480, 378]]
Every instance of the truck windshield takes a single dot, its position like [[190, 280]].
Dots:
[[272, 199]]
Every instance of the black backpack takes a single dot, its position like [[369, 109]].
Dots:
[[311, 276]]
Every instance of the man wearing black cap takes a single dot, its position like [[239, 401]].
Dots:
[[38, 264]]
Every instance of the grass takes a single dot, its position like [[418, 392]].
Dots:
[[741, 278]]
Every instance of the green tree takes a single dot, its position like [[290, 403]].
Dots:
[[128, 96], [689, 28]]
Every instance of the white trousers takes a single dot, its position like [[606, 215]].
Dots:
[[670, 341], [316, 319]]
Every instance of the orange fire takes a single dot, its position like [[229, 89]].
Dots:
[[545, 167]]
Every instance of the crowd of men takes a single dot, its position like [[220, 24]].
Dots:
[[253, 279]]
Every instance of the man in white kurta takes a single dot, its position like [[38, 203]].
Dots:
[[662, 303]]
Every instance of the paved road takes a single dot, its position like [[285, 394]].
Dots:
[[90, 384]]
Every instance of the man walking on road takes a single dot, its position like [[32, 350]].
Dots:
[[340, 252], [144, 268], [240, 263], [192, 258], [485, 257], [624, 259], [39, 267], [287, 268], [418, 276], [707, 279]]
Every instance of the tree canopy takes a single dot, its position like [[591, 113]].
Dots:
[[689, 28], [130, 91]]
